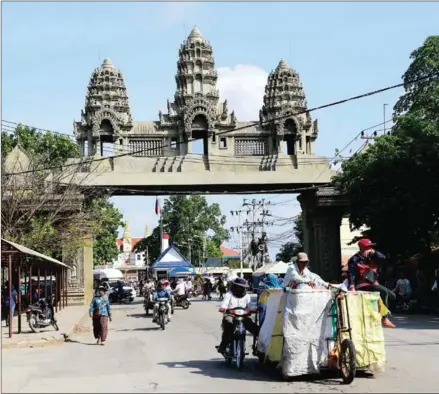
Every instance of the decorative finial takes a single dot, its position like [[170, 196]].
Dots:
[[283, 65], [195, 33], [107, 63], [126, 231]]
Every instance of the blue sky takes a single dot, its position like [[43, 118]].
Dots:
[[339, 49]]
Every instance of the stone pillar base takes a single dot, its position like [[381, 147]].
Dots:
[[75, 297]]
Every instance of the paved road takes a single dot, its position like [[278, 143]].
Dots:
[[140, 358]]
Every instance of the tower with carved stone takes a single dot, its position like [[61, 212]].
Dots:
[[284, 112], [106, 117]]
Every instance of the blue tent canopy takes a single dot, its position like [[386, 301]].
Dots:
[[171, 258], [181, 271]]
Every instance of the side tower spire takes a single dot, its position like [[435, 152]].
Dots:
[[106, 117], [283, 111]]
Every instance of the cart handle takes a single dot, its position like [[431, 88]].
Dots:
[[340, 288]]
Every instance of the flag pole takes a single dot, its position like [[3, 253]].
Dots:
[[161, 225]]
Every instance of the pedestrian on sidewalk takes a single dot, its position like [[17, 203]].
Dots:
[[100, 313], [9, 303]]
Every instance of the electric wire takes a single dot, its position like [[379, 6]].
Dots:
[[255, 124]]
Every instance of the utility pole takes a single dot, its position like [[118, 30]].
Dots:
[[254, 225], [384, 118], [239, 231], [367, 138]]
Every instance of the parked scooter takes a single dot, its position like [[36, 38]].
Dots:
[[41, 315]]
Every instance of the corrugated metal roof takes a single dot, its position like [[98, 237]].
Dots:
[[30, 252]]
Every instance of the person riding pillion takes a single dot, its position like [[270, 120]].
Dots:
[[236, 297], [162, 291]]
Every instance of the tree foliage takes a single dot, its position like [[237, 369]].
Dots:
[[393, 186], [191, 223], [290, 249], [42, 210], [106, 222]]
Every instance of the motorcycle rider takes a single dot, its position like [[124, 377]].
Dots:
[[119, 289], [236, 297], [149, 285], [162, 291], [180, 290]]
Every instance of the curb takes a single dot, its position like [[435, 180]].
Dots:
[[51, 339]]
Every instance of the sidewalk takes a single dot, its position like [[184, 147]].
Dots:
[[70, 320]]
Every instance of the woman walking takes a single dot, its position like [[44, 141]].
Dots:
[[100, 313]]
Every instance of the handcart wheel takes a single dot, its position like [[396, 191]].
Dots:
[[348, 361]]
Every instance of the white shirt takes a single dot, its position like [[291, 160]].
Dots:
[[188, 285], [231, 302], [180, 289], [293, 275]]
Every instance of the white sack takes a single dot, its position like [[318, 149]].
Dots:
[[306, 329]]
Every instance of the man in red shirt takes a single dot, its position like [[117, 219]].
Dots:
[[363, 274]]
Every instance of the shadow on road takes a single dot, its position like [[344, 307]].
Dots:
[[139, 315], [68, 340], [217, 368], [416, 322], [139, 329]]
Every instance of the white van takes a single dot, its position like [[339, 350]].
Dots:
[[111, 276]]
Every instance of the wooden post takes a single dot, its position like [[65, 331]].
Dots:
[[19, 294], [10, 293], [39, 280], [45, 283]]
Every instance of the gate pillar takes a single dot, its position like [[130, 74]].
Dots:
[[322, 211]]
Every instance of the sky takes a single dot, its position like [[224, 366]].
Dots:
[[49, 51]]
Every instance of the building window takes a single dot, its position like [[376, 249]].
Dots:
[[153, 147], [223, 143], [214, 138], [173, 143], [250, 147], [139, 257]]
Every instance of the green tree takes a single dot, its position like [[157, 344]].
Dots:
[[421, 97], [290, 249], [392, 187], [190, 222], [45, 148], [106, 222]]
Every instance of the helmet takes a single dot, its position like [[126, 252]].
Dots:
[[239, 287], [163, 283]]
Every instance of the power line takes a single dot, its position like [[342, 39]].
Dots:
[[255, 124]]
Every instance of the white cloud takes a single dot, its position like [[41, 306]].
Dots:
[[243, 87]]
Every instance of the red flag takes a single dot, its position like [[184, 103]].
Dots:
[[157, 206]]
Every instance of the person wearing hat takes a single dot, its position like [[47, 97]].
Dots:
[[236, 297], [100, 313], [298, 274], [363, 274]]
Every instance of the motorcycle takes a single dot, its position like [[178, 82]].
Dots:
[[162, 313], [182, 301], [126, 296], [235, 350], [147, 302], [41, 315]]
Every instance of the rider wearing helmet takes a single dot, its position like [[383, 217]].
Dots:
[[236, 297], [162, 291]]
